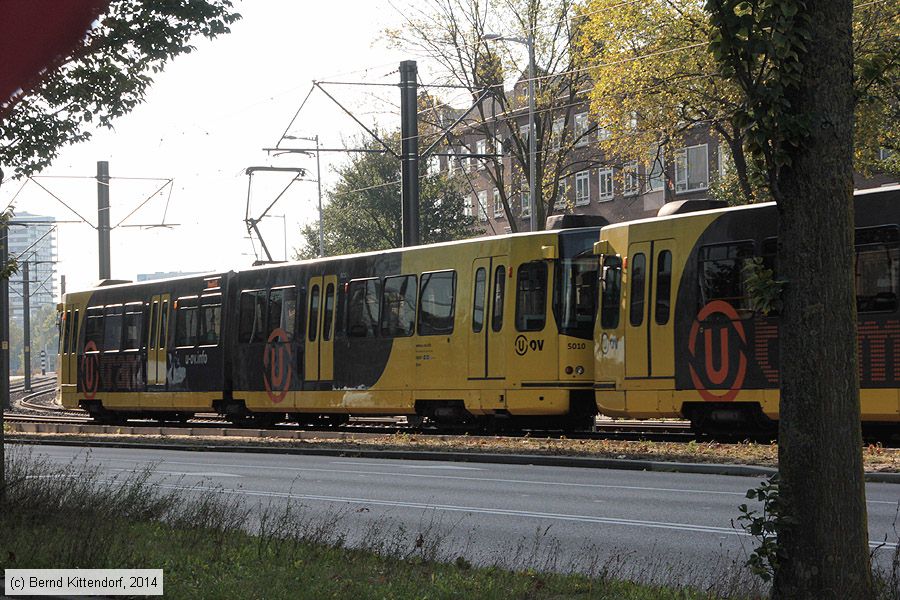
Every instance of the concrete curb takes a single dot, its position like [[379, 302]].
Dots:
[[475, 457]]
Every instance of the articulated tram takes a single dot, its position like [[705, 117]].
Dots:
[[676, 337], [479, 332]]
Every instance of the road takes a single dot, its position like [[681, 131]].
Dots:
[[642, 524]]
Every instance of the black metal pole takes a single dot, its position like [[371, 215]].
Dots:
[[409, 147], [26, 323], [103, 217]]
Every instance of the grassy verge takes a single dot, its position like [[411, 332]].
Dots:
[[876, 457], [213, 547]]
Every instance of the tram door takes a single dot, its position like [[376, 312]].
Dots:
[[157, 330], [320, 313], [650, 342], [485, 356]]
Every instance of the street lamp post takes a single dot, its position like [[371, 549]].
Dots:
[[532, 142]]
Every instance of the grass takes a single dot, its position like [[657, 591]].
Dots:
[[210, 545]]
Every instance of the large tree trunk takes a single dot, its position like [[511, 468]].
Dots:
[[824, 552]]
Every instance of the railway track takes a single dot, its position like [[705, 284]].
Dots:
[[34, 407]]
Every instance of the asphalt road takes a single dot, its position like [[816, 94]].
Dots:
[[640, 524]]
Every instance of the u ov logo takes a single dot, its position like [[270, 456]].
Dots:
[[277, 369], [523, 345], [715, 367], [90, 370]]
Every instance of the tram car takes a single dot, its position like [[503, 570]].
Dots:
[[676, 336], [483, 332]]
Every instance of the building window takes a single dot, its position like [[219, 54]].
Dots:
[[451, 160], [691, 169], [656, 170], [467, 209], [562, 193], [526, 202], [582, 188], [581, 127], [434, 165], [498, 205], [885, 153], [559, 126], [725, 164], [606, 185], [480, 148], [630, 181], [482, 205]]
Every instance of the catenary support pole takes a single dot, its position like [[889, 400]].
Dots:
[[409, 147], [103, 217], [26, 323]]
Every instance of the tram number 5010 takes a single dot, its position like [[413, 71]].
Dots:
[[577, 345]]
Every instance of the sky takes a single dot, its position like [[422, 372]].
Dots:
[[206, 119]]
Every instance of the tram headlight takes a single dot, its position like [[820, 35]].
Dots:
[[579, 370]]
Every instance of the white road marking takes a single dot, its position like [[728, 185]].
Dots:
[[446, 467], [721, 531]]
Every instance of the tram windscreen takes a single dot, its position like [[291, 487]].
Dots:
[[575, 296]]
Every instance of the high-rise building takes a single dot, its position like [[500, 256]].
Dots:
[[33, 238]]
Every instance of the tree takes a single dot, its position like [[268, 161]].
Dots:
[[106, 76], [363, 209], [103, 78], [452, 35], [792, 61], [650, 65]]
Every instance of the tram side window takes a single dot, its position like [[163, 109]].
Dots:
[[186, 322], [328, 314], [722, 275], [154, 315], [638, 279], [437, 295], [94, 328], [134, 325], [398, 310], [478, 301], [663, 287], [877, 269], [252, 310], [531, 297], [64, 334], [499, 296], [363, 307], [610, 305], [74, 346], [314, 299], [283, 312], [163, 325], [210, 319], [112, 328]]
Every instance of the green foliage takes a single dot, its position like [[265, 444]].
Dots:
[[765, 527], [763, 290], [363, 210], [106, 77], [758, 44]]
